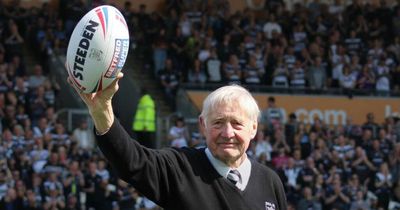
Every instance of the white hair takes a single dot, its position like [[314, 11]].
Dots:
[[231, 94]]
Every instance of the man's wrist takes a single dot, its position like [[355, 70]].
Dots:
[[103, 120], [98, 133]]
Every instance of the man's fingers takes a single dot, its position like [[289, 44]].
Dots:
[[106, 93], [115, 82], [113, 88], [120, 75], [73, 85], [69, 80], [86, 97]]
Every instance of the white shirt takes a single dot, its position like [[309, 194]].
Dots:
[[204, 54], [222, 169], [348, 81], [337, 71], [213, 69], [383, 82], [84, 138], [291, 174], [186, 27], [271, 26], [179, 134], [3, 190], [264, 147], [105, 175]]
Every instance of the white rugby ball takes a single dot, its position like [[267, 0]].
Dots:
[[97, 49]]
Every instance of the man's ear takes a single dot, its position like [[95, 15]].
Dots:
[[202, 124], [254, 129]]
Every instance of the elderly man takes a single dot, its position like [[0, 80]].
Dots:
[[220, 176]]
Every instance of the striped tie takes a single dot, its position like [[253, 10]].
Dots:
[[234, 176]]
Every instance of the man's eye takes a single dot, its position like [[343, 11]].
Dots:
[[217, 122], [237, 123]]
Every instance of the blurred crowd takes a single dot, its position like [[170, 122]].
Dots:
[[332, 167], [344, 45], [44, 166], [350, 47]]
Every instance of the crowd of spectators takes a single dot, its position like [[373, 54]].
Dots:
[[343, 45], [332, 167], [43, 166], [314, 45], [348, 47]]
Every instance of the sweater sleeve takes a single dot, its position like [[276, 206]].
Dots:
[[153, 172]]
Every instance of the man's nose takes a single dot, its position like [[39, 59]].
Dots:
[[228, 131]]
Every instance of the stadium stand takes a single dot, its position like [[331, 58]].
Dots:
[[342, 49]]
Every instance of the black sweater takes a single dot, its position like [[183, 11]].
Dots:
[[184, 179]]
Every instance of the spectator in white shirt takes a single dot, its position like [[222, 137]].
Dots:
[[37, 78], [214, 67], [83, 135], [271, 25], [178, 134], [297, 76], [263, 148], [347, 80], [382, 76]]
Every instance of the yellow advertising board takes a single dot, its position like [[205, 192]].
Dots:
[[332, 110]]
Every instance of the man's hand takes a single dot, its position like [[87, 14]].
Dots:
[[100, 104]]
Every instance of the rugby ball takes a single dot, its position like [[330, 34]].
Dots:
[[97, 49]]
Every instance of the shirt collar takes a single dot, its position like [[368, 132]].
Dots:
[[223, 170]]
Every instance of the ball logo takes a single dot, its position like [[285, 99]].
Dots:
[[83, 47], [120, 54], [96, 54], [102, 13]]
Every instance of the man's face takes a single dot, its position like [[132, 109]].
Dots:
[[228, 132]]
